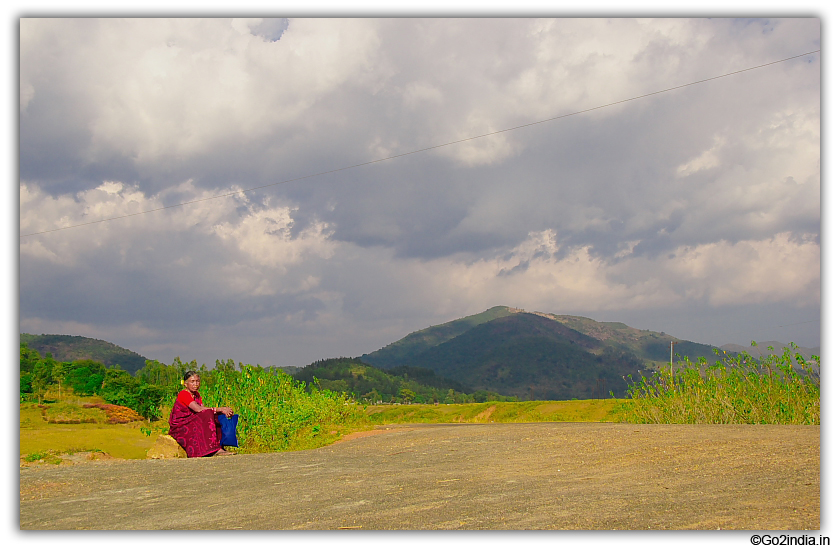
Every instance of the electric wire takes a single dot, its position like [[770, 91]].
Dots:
[[417, 151]]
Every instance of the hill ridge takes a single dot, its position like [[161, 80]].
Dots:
[[68, 348], [532, 357], [553, 356], [648, 345]]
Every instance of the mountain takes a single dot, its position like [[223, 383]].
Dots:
[[68, 348], [650, 346], [535, 355], [404, 350]]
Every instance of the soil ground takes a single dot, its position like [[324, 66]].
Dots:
[[457, 476]]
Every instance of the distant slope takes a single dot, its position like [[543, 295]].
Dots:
[[406, 349], [536, 355], [533, 357], [68, 348], [647, 345], [353, 376]]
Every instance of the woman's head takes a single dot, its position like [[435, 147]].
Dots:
[[192, 381]]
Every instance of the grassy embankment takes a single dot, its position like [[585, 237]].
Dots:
[[42, 439]]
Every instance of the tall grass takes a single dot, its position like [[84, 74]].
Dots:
[[277, 413], [738, 389]]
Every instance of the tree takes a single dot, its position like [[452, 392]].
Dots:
[[373, 396], [148, 401], [161, 374], [407, 395], [59, 372], [28, 358], [85, 376], [42, 376], [25, 384], [120, 388]]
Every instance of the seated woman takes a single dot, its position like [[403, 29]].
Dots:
[[194, 426]]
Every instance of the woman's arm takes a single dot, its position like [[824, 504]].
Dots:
[[226, 411]]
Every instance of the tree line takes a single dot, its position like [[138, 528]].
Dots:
[[154, 387], [403, 384], [42, 378]]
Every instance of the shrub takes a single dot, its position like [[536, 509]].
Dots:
[[736, 390], [275, 412], [116, 414]]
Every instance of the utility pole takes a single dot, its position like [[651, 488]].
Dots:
[[672, 358]]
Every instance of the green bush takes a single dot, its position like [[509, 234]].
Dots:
[[736, 390], [276, 412]]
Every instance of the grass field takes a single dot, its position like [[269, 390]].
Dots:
[[37, 436], [527, 411], [130, 441]]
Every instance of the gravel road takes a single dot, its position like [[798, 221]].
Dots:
[[458, 476]]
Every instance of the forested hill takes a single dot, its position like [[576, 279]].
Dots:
[[533, 358], [68, 348], [648, 346], [536, 355], [409, 347]]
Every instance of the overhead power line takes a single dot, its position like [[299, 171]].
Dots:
[[450, 143]]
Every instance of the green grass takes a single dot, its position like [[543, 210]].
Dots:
[[735, 390], [39, 437], [68, 413], [124, 441], [527, 411], [276, 413]]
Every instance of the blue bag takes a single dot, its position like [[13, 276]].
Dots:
[[228, 430]]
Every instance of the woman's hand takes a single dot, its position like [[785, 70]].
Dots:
[[226, 411]]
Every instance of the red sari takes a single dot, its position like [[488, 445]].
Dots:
[[197, 433]]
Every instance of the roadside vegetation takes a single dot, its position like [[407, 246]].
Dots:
[[84, 406], [277, 412], [736, 389]]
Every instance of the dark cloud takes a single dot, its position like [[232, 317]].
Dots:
[[625, 207]]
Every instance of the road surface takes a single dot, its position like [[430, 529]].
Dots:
[[458, 476]]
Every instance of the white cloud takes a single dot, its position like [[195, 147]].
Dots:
[[777, 269], [265, 236], [258, 246], [169, 88], [677, 200], [708, 159]]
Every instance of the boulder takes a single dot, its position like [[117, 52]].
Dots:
[[166, 447]]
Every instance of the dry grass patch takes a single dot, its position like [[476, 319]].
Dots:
[[528, 411]]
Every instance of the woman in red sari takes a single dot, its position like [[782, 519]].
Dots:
[[194, 426]]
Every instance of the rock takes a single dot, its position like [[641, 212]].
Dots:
[[166, 447]]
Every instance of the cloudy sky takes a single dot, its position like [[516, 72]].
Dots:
[[695, 211]]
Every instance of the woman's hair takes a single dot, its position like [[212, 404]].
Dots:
[[189, 374]]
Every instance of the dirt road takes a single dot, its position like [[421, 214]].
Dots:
[[465, 476]]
